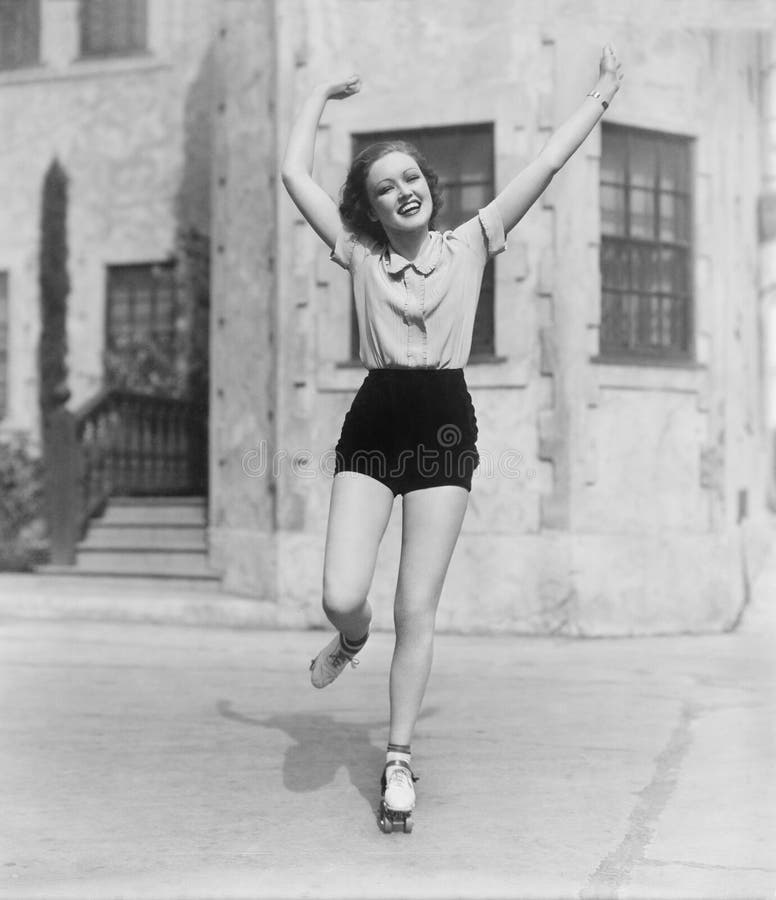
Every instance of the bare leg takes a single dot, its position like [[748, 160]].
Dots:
[[432, 520], [359, 512]]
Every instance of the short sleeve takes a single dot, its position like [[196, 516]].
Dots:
[[484, 233], [352, 248], [342, 254], [493, 229]]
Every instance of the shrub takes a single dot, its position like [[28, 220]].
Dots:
[[54, 290], [22, 527], [140, 363]]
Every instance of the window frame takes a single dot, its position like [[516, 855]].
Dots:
[[5, 331], [89, 48], [642, 353], [26, 26], [169, 267], [485, 349]]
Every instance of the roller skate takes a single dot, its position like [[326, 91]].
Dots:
[[330, 663], [398, 797]]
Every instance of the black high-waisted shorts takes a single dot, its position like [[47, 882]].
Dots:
[[411, 429]]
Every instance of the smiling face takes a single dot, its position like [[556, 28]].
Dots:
[[399, 193]]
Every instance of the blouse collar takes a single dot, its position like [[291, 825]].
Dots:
[[424, 263]]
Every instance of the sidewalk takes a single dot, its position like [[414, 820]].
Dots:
[[177, 762]]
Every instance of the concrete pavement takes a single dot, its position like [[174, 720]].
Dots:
[[183, 762]]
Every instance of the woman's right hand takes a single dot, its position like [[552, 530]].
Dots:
[[341, 90]]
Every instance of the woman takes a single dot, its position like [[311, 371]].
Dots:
[[411, 428]]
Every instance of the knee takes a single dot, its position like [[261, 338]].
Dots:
[[338, 601]]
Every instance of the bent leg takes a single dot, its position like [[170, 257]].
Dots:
[[359, 511], [432, 520]]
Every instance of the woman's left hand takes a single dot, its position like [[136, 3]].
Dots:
[[610, 69]]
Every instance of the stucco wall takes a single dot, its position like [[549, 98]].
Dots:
[[608, 496], [314, 40], [768, 244], [623, 515], [244, 411], [661, 452], [133, 136]]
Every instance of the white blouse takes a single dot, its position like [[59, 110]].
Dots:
[[420, 314]]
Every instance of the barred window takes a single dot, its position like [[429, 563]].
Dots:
[[113, 27], [19, 33], [141, 305], [646, 245], [3, 344], [462, 156]]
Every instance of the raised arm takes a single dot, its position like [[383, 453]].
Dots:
[[313, 202], [523, 191]]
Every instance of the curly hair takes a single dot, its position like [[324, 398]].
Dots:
[[355, 206]]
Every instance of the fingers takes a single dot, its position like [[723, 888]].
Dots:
[[610, 63], [339, 90]]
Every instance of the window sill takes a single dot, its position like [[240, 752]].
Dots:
[[646, 362], [483, 359], [112, 55], [349, 364], [84, 67], [481, 372], [116, 64], [479, 359], [29, 72], [673, 375]]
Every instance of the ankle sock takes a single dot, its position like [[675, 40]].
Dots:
[[352, 647], [398, 751]]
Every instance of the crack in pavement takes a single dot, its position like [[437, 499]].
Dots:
[[712, 867], [614, 869]]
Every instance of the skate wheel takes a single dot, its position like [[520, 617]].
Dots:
[[408, 823], [383, 821]]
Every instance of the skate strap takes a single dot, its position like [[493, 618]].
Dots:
[[404, 765]]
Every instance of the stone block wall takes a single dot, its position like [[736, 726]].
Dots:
[[608, 527], [623, 517], [133, 135], [244, 417], [610, 498]]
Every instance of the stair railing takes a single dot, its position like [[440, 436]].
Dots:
[[119, 443]]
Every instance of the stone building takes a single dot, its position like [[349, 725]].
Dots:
[[618, 367], [120, 93]]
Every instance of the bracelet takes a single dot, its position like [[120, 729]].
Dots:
[[597, 96]]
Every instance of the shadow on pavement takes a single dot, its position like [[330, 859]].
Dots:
[[322, 744]]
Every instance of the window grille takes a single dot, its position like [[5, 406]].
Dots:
[[19, 33], [646, 245], [3, 344], [141, 305], [113, 27]]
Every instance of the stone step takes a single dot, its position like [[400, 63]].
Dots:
[[145, 580], [146, 537], [117, 535], [170, 562], [155, 511]]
